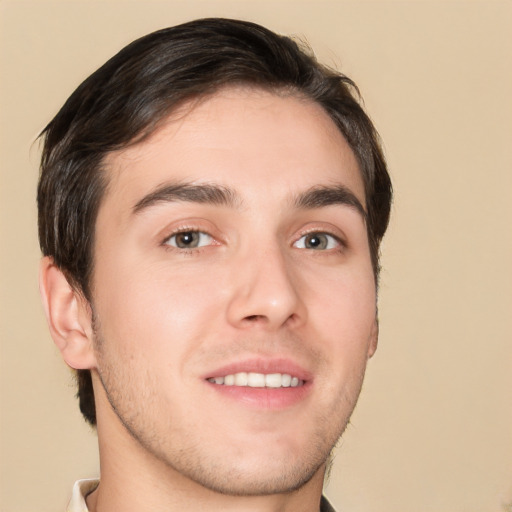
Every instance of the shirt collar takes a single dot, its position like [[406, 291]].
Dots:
[[80, 490], [84, 487]]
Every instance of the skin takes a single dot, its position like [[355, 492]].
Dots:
[[259, 287]]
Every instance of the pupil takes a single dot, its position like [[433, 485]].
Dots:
[[188, 238], [315, 241]]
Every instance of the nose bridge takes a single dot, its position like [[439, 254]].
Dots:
[[266, 289]]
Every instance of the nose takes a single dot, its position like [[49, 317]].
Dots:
[[266, 292]]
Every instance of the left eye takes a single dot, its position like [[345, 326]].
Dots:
[[189, 240], [317, 241]]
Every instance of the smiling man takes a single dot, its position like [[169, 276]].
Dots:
[[211, 205]]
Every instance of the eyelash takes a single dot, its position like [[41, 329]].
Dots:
[[340, 244], [192, 250]]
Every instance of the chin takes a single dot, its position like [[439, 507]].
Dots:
[[262, 482], [251, 470]]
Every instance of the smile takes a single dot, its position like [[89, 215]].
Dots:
[[258, 380]]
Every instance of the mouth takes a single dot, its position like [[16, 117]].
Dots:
[[262, 383], [258, 380]]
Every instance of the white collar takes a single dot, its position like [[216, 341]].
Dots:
[[80, 490], [84, 487]]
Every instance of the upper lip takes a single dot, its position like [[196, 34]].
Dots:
[[262, 365]]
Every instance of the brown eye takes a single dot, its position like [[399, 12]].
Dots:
[[317, 241], [189, 240]]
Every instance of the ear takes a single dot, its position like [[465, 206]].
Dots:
[[374, 338], [69, 317]]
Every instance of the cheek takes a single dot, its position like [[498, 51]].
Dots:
[[345, 312], [143, 306], [347, 322]]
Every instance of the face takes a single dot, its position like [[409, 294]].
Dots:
[[233, 291]]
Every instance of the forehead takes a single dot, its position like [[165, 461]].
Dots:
[[242, 138]]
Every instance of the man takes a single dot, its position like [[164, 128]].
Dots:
[[211, 205]]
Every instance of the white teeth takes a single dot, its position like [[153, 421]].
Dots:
[[286, 380], [241, 379], [273, 380], [258, 380]]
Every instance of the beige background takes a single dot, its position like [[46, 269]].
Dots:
[[433, 429]]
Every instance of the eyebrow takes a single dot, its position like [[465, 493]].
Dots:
[[207, 193], [321, 196], [190, 192]]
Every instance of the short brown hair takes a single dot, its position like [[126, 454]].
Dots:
[[124, 101]]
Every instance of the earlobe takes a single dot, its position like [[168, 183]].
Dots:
[[68, 315], [374, 338]]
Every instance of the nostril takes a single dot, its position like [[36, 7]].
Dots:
[[253, 318]]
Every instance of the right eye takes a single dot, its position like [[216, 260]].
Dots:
[[317, 241], [189, 240]]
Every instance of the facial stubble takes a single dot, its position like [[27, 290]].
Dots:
[[194, 462]]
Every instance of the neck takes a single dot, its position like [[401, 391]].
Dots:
[[128, 486], [167, 496], [133, 479]]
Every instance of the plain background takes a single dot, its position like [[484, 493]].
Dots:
[[433, 429]]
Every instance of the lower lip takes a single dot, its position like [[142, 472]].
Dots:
[[263, 398]]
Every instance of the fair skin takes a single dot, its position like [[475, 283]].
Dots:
[[230, 242]]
